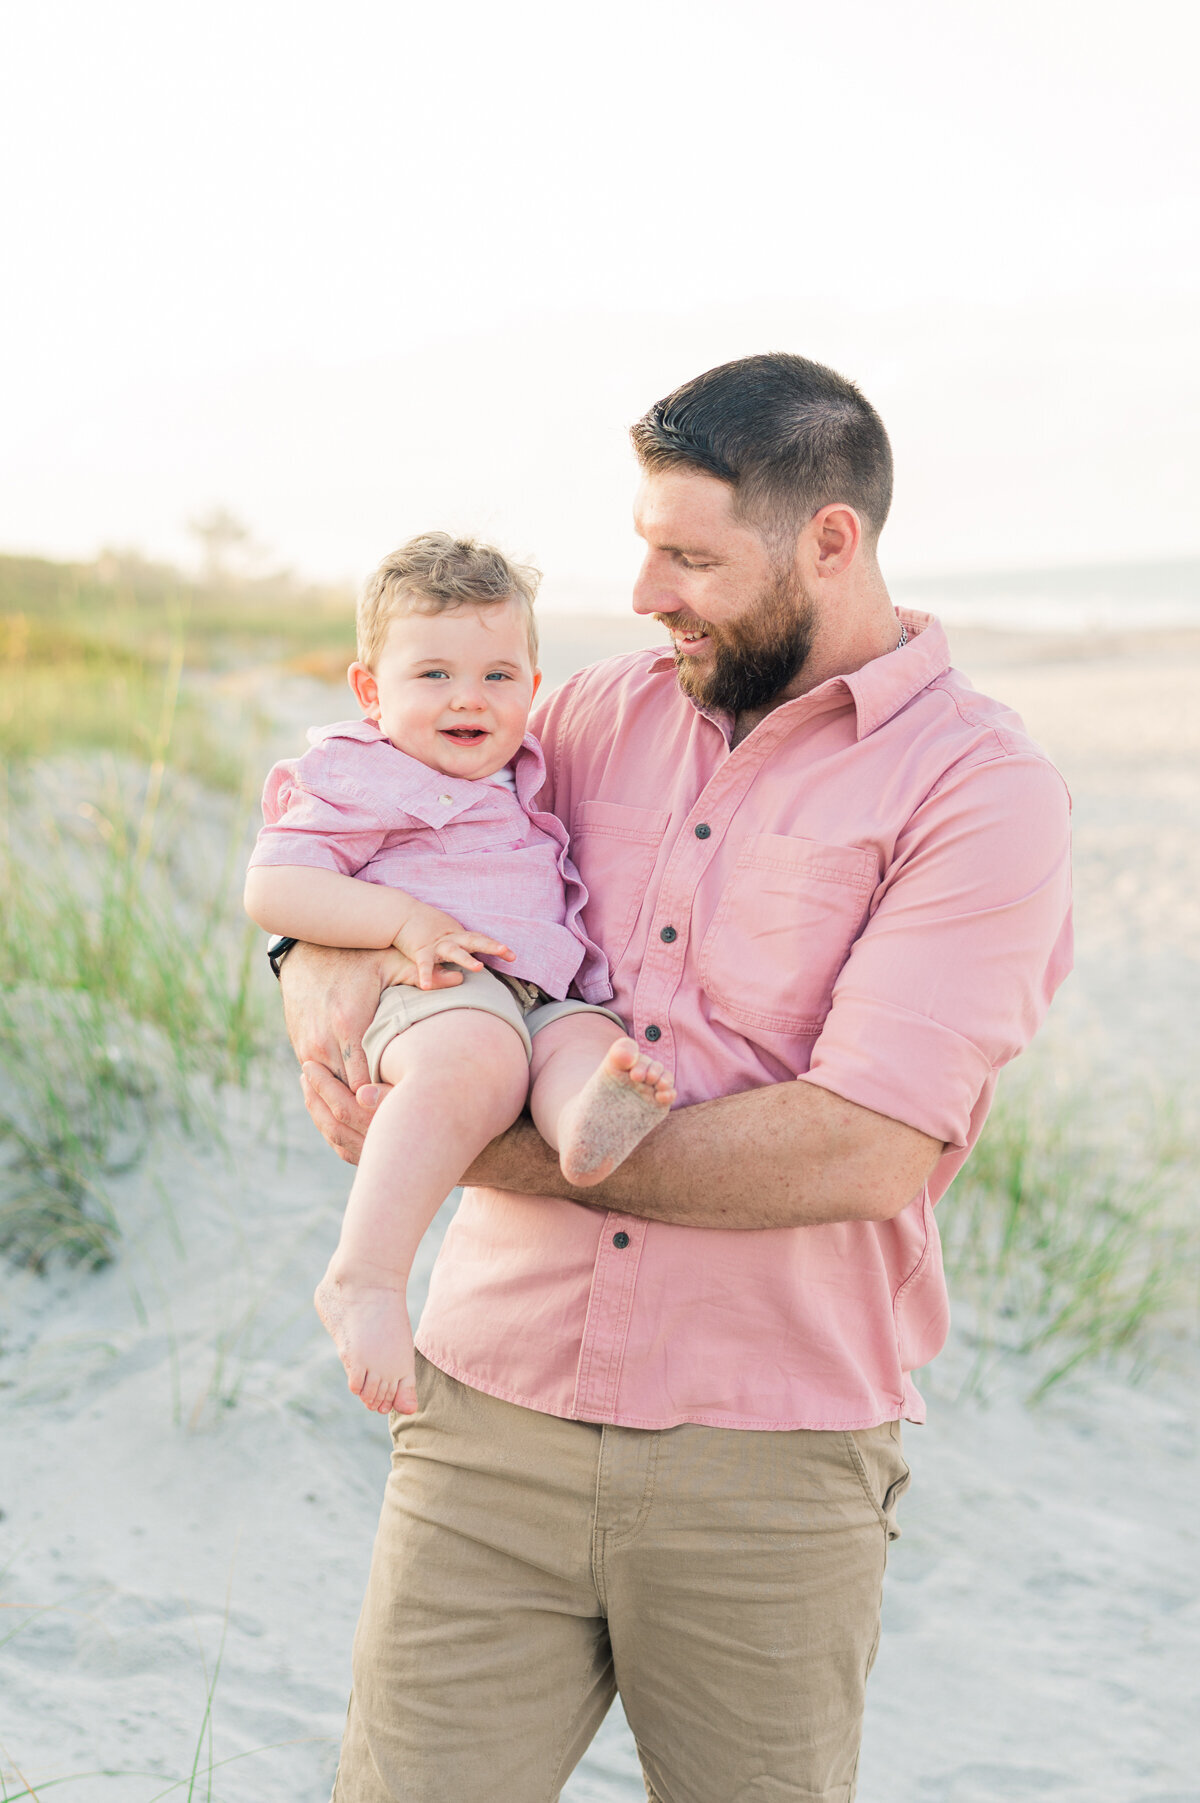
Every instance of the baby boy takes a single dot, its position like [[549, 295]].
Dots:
[[417, 826]]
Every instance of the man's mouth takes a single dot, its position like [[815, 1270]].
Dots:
[[689, 642], [464, 735], [686, 640]]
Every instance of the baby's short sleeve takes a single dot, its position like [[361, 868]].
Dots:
[[315, 814]]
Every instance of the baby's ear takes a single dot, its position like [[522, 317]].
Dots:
[[366, 689], [537, 681]]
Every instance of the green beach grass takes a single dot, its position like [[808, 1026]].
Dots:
[[124, 955], [120, 1000], [88, 652], [1068, 1235]]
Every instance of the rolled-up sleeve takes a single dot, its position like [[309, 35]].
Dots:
[[313, 817], [968, 938]]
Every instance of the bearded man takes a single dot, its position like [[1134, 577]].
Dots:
[[658, 1449]]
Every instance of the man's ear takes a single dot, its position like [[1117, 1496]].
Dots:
[[537, 681], [837, 533], [366, 689]]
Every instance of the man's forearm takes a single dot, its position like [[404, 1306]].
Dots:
[[788, 1155]]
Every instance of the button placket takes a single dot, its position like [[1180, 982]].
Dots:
[[658, 985], [689, 855], [607, 1322]]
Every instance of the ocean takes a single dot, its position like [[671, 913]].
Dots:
[[1154, 596]]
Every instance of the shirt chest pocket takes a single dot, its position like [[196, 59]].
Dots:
[[783, 928], [614, 849]]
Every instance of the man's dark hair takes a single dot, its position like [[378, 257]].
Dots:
[[787, 434]]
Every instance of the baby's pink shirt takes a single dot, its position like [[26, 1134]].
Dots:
[[356, 805]]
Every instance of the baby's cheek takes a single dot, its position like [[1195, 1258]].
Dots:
[[512, 729], [410, 729]]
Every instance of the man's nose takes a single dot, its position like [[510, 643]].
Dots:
[[650, 596]]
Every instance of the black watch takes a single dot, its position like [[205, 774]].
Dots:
[[278, 949]]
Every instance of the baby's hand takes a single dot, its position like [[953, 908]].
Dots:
[[431, 940]]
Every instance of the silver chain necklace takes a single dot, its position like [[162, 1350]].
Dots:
[[903, 639]]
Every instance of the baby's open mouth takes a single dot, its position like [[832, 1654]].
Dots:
[[464, 735]]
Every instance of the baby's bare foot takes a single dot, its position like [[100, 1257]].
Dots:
[[367, 1319], [626, 1099]]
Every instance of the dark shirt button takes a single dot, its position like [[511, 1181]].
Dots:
[[668, 934], [653, 1033], [620, 1240], [704, 831]]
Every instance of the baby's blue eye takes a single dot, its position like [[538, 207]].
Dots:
[[426, 673], [497, 676]]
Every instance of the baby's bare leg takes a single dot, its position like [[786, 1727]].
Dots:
[[593, 1095], [460, 1079]]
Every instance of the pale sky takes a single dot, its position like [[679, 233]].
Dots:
[[355, 272]]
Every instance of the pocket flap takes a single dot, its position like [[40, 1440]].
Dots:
[[850, 864], [644, 825]]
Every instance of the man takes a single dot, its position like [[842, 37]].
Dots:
[[658, 1448]]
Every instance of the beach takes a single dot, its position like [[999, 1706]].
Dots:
[[188, 1493]]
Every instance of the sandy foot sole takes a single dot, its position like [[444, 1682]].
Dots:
[[626, 1099]]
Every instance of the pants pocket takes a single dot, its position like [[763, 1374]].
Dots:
[[877, 1456]]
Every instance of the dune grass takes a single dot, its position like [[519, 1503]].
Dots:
[[86, 649], [124, 972], [124, 957], [103, 700], [124, 604], [113, 1000], [1070, 1235]]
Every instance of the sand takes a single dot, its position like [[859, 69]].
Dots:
[[184, 1478]]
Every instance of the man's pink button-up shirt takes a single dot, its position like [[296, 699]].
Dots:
[[356, 805], [870, 893]]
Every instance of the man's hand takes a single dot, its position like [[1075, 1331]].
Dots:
[[339, 1114], [431, 940], [329, 1000]]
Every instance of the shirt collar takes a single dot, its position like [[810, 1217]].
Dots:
[[888, 683], [880, 688], [429, 794]]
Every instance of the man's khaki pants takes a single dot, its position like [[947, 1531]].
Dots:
[[727, 1583]]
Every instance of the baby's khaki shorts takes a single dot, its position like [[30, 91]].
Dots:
[[525, 1007]]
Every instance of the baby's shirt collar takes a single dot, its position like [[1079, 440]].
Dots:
[[429, 795]]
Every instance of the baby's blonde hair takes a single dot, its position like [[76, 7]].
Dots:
[[434, 573]]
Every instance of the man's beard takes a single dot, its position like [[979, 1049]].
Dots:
[[754, 658]]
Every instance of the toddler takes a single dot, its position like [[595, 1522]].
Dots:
[[396, 829]]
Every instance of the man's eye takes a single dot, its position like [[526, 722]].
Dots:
[[689, 564]]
